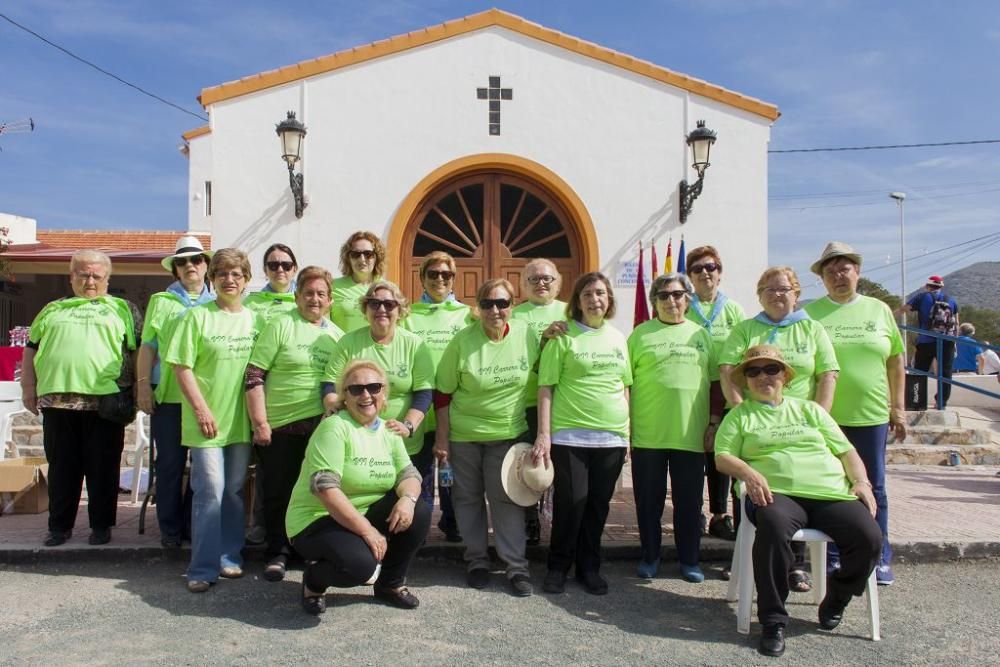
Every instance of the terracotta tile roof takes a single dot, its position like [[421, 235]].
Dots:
[[486, 19], [100, 239]]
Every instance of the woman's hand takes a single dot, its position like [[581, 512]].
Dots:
[[897, 422], [329, 405], [540, 453], [555, 330], [401, 516], [262, 434], [397, 427], [206, 422], [709, 441], [863, 490], [144, 397], [758, 490], [376, 542], [29, 398], [441, 450]]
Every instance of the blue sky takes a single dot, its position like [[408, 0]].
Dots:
[[843, 73]]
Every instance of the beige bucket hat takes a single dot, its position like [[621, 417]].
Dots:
[[833, 250]]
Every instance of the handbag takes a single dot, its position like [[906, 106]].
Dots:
[[118, 407]]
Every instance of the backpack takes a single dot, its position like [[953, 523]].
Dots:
[[941, 318]]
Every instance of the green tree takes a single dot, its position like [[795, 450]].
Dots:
[[877, 291]]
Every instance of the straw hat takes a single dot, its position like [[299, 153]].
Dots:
[[833, 250], [523, 481], [187, 246], [760, 353]]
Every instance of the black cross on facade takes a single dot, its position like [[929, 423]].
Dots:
[[494, 94]]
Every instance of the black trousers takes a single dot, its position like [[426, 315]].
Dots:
[[925, 354], [278, 467], [343, 559], [719, 486], [585, 479], [650, 468], [847, 522], [81, 445]]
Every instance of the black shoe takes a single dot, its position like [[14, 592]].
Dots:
[[402, 598], [772, 640], [57, 537], [831, 611], [276, 568], [520, 586], [450, 531], [170, 542], [722, 528], [478, 578], [555, 582], [593, 582], [314, 605], [99, 536]]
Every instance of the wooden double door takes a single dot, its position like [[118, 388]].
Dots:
[[493, 224]]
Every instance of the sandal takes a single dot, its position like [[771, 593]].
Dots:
[[276, 568], [313, 604], [799, 581]]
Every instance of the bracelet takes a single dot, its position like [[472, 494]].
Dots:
[[415, 499], [861, 481]]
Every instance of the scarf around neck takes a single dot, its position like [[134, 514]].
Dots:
[[793, 318], [720, 303]]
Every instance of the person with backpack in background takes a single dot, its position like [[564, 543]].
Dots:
[[937, 312]]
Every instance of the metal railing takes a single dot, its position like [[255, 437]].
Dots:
[[939, 340]]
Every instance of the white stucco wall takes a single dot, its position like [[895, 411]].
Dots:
[[377, 128], [199, 171]]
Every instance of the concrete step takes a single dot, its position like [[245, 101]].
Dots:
[[933, 418], [975, 454], [946, 435]]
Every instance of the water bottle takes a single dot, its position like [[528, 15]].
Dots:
[[446, 478]]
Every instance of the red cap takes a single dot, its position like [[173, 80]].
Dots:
[[936, 281]]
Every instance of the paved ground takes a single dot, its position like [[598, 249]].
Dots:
[[140, 613], [935, 512]]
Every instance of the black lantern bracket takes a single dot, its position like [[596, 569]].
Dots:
[[700, 140], [297, 184]]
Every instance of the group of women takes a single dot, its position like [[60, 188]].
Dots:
[[348, 394]]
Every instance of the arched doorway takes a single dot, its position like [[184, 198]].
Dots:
[[492, 222]]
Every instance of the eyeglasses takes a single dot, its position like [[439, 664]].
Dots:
[[711, 267], [770, 369], [232, 275], [778, 291], [194, 260], [443, 275], [489, 304], [96, 277], [358, 254], [541, 280], [373, 389], [284, 266], [676, 295], [389, 304]]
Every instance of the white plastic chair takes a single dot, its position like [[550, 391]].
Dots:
[[741, 581], [10, 405], [141, 446]]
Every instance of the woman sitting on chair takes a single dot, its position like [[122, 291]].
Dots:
[[799, 471]]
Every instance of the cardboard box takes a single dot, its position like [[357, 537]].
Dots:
[[24, 488]]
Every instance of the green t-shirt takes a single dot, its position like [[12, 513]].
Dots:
[[215, 344], [804, 346], [294, 352], [671, 364], [367, 460], [406, 361], [588, 370], [538, 318], [80, 345], [864, 335], [794, 445], [488, 381], [265, 305], [163, 314], [346, 313], [731, 315], [436, 324]]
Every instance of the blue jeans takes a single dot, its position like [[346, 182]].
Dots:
[[217, 478], [173, 501], [870, 443]]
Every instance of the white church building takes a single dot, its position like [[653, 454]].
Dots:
[[494, 139]]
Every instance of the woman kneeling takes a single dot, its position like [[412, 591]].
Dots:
[[355, 509], [799, 471]]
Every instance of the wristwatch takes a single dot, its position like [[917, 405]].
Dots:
[[409, 426]]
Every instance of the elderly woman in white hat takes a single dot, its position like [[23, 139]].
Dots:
[[870, 352], [158, 393], [799, 471]]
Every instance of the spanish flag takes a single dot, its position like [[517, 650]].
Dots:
[[668, 263]]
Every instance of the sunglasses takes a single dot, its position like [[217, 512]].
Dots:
[[284, 266], [358, 254], [443, 275], [489, 304], [373, 389], [389, 304], [711, 267], [541, 280], [676, 295], [194, 260], [770, 369]]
